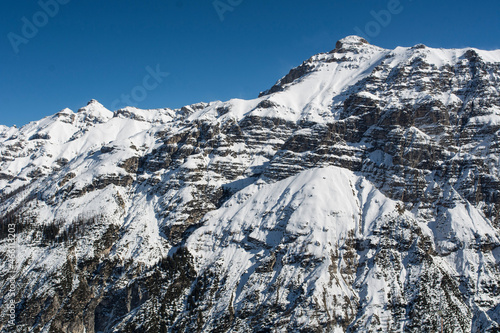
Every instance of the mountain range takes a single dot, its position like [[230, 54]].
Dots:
[[360, 193]]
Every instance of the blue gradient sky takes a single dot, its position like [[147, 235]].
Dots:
[[100, 49]]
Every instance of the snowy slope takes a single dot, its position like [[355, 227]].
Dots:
[[269, 240], [303, 225]]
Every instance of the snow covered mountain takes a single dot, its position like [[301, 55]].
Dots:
[[360, 193]]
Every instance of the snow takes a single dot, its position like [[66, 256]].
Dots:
[[492, 56], [352, 40], [490, 120], [95, 111], [365, 94], [317, 208]]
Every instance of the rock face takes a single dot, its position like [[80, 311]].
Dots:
[[361, 193]]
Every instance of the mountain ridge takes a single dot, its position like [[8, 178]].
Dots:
[[360, 193]]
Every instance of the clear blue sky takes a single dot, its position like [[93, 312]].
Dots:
[[101, 48]]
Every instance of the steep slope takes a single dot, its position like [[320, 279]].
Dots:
[[360, 193]]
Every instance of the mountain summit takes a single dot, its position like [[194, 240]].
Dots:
[[360, 193], [349, 42]]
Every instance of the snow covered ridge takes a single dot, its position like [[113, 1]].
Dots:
[[360, 193]]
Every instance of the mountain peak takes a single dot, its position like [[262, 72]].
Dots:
[[350, 44], [350, 41], [94, 102], [91, 105], [95, 111]]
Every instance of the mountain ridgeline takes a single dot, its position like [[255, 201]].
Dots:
[[360, 193]]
